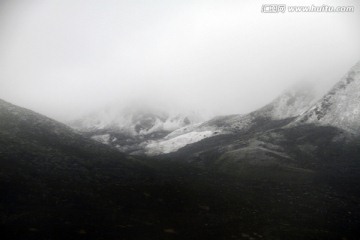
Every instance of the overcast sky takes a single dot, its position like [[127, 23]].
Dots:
[[66, 57]]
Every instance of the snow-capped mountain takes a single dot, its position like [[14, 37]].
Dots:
[[129, 129], [288, 105], [295, 118], [153, 131], [339, 107]]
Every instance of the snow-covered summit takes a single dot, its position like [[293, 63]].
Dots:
[[340, 106]]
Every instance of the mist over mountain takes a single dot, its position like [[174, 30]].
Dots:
[[219, 57], [179, 120], [143, 129]]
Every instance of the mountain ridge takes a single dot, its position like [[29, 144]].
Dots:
[[289, 104], [339, 107]]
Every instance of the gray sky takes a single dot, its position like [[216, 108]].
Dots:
[[66, 57]]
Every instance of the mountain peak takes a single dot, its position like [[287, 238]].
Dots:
[[340, 106]]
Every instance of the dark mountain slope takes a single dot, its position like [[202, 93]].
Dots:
[[31, 131], [295, 172], [51, 176]]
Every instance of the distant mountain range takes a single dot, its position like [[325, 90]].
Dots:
[[289, 170], [144, 130], [265, 135]]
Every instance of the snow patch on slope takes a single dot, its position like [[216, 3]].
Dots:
[[105, 138], [174, 144]]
